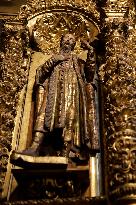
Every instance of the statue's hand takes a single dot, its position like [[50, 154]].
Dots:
[[60, 57], [85, 44]]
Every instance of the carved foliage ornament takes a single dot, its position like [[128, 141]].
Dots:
[[35, 7], [46, 30], [13, 77], [119, 108], [119, 5]]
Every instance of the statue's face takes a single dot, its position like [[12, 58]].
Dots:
[[68, 42]]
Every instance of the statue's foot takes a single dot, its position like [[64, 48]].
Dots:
[[30, 152]]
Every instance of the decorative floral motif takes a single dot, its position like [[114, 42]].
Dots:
[[49, 28], [13, 77], [118, 76], [33, 7]]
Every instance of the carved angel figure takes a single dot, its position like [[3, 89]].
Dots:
[[64, 102]]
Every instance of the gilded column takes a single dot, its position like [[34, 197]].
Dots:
[[13, 57], [119, 89]]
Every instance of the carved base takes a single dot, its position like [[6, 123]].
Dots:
[[51, 183]]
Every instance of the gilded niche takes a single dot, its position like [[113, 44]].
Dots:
[[47, 33], [58, 118]]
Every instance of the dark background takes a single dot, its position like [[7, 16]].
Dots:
[[11, 6]]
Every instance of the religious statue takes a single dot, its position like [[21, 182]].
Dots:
[[63, 90]]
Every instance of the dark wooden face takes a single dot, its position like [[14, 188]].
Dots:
[[11, 6]]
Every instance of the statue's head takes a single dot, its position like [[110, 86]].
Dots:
[[68, 42]]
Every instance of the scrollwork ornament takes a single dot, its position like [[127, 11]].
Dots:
[[48, 30], [118, 77], [14, 77], [37, 7], [119, 6]]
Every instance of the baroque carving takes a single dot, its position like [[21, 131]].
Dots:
[[48, 29], [13, 77], [36, 7], [45, 28], [48, 188], [119, 5], [118, 76]]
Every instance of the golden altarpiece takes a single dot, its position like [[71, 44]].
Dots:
[[102, 169]]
